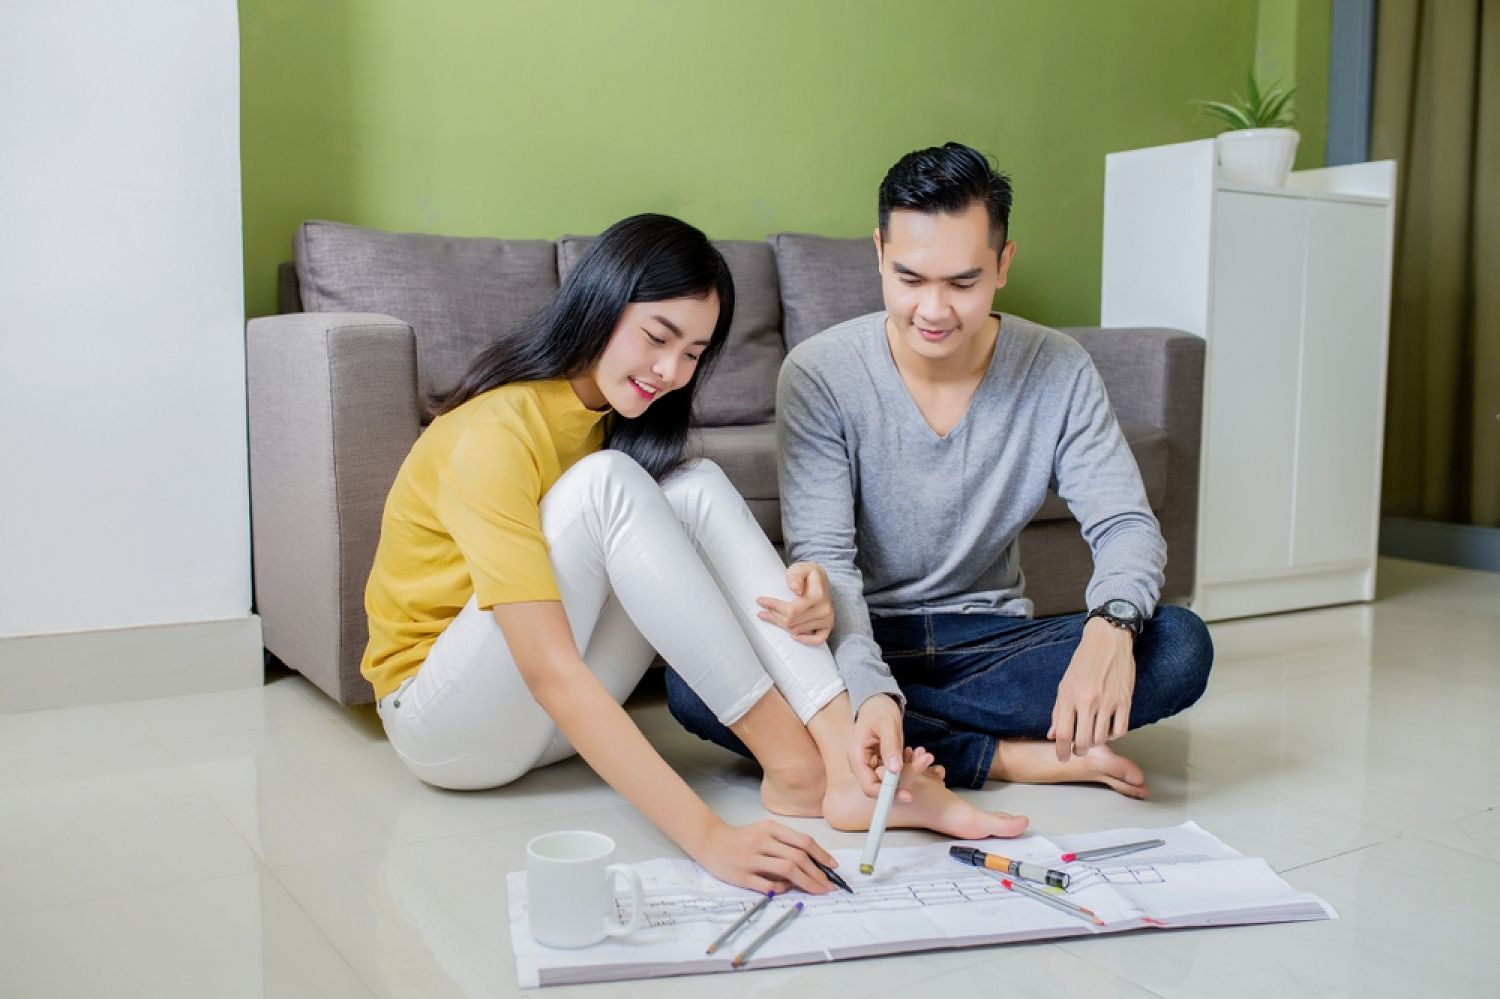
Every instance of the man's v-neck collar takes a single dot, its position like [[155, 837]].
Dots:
[[894, 370]]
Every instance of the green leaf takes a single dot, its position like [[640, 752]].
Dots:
[[1278, 111], [1261, 107], [1228, 113]]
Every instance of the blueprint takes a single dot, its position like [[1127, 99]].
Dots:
[[920, 899]]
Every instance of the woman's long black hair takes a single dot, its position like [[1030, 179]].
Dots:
[[645, 258]]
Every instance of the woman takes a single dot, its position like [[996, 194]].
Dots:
[[545, 534]]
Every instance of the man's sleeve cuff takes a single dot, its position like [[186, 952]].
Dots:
[[864, 688], [1140, 596]]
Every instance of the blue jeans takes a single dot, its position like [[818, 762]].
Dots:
[[971, 680]]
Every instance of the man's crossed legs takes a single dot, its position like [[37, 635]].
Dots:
[[980, 690]]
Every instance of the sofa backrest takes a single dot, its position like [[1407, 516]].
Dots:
[[824, 281], [460, 294]]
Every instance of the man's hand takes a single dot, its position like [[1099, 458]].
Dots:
[[877, 742], [1093, 699], [808, 618]]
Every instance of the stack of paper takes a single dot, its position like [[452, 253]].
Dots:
[[920, 899]]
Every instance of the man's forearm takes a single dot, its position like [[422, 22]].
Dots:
[[1128, 562], [818, 522], [852, 641], [865, 674]]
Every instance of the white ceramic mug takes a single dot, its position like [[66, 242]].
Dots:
[[570, 889]]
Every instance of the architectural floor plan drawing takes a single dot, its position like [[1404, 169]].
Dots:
[[676, 908], [920, 899]]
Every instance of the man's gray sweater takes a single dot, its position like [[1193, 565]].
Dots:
[[905, 521]]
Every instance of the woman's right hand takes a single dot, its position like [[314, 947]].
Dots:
[[765, 856]]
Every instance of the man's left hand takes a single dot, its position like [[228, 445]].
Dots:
[[809, 616], [1093, 699]]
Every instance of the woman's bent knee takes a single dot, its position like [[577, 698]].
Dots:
[[601, 467], [702, 477], [701, 490], [608, 483]]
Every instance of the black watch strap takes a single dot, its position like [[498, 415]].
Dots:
[[1121, 614]]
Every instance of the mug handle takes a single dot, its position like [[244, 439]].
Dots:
[[612, 926]]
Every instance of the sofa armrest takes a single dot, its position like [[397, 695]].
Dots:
[[333, 411], [1155, 376]]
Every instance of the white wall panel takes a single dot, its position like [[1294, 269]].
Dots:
[[123, 498]]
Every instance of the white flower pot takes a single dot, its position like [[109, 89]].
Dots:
[[1257, 155]]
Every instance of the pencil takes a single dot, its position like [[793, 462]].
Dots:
[[1060, 904], [878, 821], [744, 955], [734, 928], [1105, 852]]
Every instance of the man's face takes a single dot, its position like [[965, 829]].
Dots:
[[939, 274]]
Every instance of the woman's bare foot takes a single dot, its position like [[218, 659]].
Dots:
[[795, 791], [933, 806], [794, 778], [1024, 761]]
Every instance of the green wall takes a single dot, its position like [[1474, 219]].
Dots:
[[528, 119], [1292, 40]]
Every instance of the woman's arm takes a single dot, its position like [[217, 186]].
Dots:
[[761, 857]]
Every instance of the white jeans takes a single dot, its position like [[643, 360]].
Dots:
[[675, 567]]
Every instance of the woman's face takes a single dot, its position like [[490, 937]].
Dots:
[[654, 349]]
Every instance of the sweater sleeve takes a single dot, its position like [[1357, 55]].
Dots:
[[489, 500], [1096, 475], [817, 516]]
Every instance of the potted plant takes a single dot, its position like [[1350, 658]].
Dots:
[[1260, 144]]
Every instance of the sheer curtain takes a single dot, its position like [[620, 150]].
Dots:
[[1437, 112]]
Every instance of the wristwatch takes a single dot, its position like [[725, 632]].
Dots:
[[1120, 613]]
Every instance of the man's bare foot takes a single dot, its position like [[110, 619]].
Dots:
[[933, 806], [796, 792], [1025, 761]]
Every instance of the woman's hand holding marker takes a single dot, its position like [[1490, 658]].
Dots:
[[764, 856]]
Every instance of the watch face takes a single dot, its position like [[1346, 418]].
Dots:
[[1122, 609]]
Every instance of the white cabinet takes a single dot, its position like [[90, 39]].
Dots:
[[1290, 289]]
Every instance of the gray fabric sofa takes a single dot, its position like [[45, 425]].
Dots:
[[374, 324]]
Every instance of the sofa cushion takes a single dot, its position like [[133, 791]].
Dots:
[[458, 295], [1149, 445], [742, 388], [747, 455], [824, 282]]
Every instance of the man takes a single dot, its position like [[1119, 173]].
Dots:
[[916, 444]]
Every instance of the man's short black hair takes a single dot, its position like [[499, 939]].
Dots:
[[947, 179]]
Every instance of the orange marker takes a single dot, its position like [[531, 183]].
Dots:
[[1015, 868]]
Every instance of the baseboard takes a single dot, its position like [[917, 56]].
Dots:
[[1276, 594], [1439, 541], [129, 664]]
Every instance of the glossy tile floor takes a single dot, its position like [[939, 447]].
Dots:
[[267, 842]]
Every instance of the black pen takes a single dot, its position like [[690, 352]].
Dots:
[[831, 875]]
